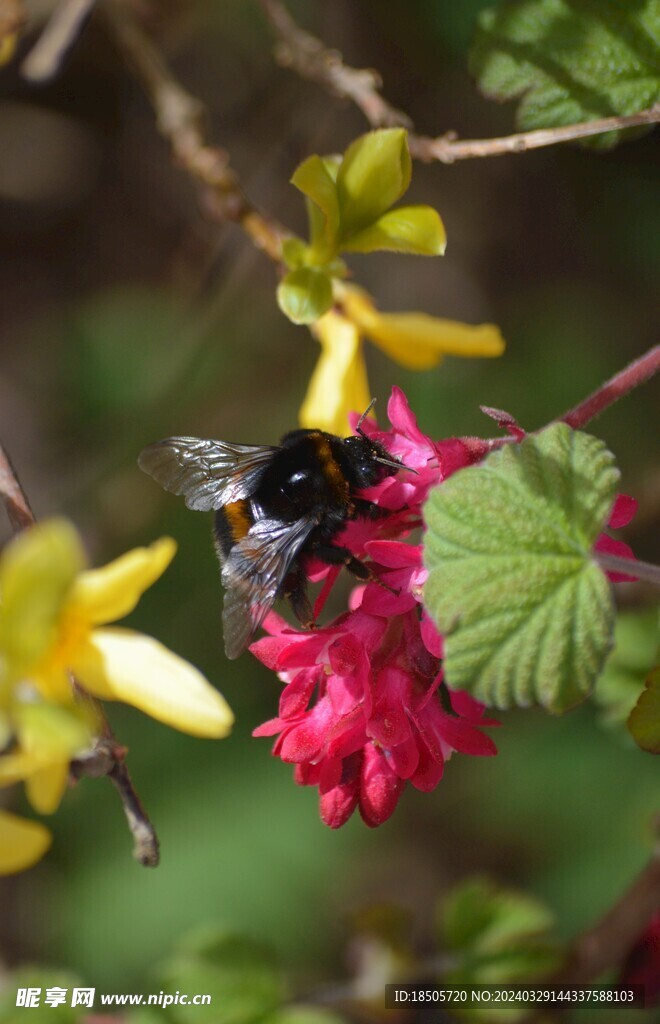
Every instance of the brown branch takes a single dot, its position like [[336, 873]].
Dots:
[[13, 496], [606, 945], [312, 59], [48, 54], [108, 756], [180, 118]]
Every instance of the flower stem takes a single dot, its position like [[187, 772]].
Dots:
[[618, 386], [631, 567]]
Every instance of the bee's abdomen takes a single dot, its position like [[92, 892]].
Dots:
[[232, 523]]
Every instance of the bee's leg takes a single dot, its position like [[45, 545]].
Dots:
[[369, 510], [295, 591], [331, 554]]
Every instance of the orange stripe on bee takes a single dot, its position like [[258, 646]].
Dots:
[[239, 518], [331, 469]]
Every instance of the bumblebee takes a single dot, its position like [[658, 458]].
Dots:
[[274, 505]]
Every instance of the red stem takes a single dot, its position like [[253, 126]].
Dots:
[[618, 386]]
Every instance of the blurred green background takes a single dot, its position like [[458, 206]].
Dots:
[[127, 316]]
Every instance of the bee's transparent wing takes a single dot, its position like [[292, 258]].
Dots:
[[253, 574], [207, 473]]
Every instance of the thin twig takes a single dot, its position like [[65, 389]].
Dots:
[[180, 118], [312, 59], [447, 148], [108, 756], [620, 384], [13, 496], [65, 25]]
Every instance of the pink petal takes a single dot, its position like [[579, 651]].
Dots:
[[463, 737], [454, 453], [297, 694], [270, 728], [380, 788], [430, 636], [337, 805], [623, 511], [404, 758], [344, 654], [429, 770], [330, 775], [268, 650], [378, 601], [402, 417], [304, 742], [469, 708], [306, 774], [610, 546], [394, 554]]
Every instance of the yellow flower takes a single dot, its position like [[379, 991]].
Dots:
[[339, 382], [22, 843], [51, 625], [417, 341]]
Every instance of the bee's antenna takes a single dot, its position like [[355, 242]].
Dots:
[[363, 417]]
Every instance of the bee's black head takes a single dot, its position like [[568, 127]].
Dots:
[[367, 462]]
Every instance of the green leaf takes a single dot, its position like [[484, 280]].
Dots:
[[626, 669], [315, 178], [497, 935], [304, 295], [644, 720], [411, 229], [527, 615], [570, 60], [374, 173], [481, 916], [241, 976]]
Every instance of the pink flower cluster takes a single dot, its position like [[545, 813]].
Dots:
[[364, 709]]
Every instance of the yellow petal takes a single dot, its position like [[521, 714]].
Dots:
[[118, 664], [16, 767], [46, 787], [22, 843], [37, 571], [110, 593], [339, 382], [49, 733], [416, 340]]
